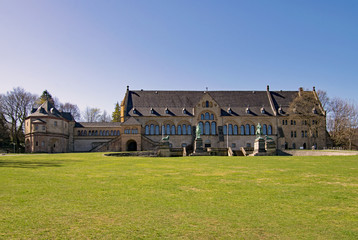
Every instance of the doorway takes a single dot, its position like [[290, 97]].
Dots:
[[131, 145]]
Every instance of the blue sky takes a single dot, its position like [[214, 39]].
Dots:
[[87, 52]]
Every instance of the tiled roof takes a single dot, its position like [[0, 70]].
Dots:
[[49, 110], [97, 124], [155, 103]]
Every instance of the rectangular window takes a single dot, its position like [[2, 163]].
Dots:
[[36, 127], [233, 145], [295, 134], [43, 128], [55, 123]]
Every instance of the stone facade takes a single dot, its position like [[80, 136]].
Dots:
[[227, 119]]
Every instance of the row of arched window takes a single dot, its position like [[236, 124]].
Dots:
[[98, 133], [207, 116], [230, 129], [167, 129], [208, 128]]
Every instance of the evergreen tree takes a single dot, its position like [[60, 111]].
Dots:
[[46, 96], [116, 115], [4, 133]]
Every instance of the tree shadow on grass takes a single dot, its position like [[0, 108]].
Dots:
[[29, 164]]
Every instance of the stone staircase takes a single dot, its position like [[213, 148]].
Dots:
[[108, 146]]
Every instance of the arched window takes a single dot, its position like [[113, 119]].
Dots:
[[269, 132], [242, 130], [78, 133], [236, 130], [156, 129], [207, 104], [202, 117], [179, 130], [111, 132], [189, 130], [82, 133], [207, 128], [89, 133], [264, 129], [163, 129], [184, 129], [201, 125], [85, 133], [252, 130], [212, 117], [117, 132], [96, 133], [173, 130], [213, 128], [230, 129], [146, 130], [207, 116], [168, 129], [152, 129], [225, 130], [247, 129]]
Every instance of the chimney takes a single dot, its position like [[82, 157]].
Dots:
[[300, 90], [268, 88]]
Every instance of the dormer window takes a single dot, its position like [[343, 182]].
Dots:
[[135, 111], [280, 111], [248, 110], [314, 110], [229, 110], [263, 111], [184, 111], [151, 111], [166, 111]]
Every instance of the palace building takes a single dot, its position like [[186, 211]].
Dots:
[[227, 119]]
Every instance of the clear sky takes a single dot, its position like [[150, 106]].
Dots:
[[87, 52]]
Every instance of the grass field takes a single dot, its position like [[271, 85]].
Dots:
[[89, 196]]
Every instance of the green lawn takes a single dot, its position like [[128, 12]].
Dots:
[[89, 196]]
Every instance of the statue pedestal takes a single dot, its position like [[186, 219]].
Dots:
[[198, 148], [259, 147], [198, 145], [164, 149], [270, 147]]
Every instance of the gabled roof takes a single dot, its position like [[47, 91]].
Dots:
[[47, 109], [39, 121], [131, 121], [155, 103]]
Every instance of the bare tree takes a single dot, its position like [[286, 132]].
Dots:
[[92, 114], [105, 117], [324, 99], [15, 106], [343, 122], [71, 108]]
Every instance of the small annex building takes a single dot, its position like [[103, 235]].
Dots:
[[226, 119]]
